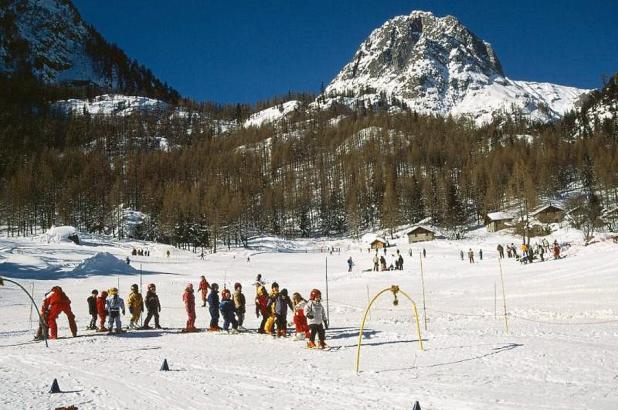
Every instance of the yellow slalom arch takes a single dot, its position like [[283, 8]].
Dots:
[[395, 289]]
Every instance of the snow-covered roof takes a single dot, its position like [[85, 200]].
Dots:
[[379, 240], [499, 216], [417, 227], [546, 207]]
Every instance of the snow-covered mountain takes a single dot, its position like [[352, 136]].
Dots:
[[49, 39], [436, 65], [109, 104]]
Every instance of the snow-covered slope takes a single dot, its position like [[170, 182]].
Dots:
[[559, 352], [272, 114], [436, 65], [109, 104]]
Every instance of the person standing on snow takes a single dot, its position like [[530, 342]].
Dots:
[[114, 305], [350, 264], [261, 307], [300, 321], [228, 310], [203, 289], [102, 312], [189, 300], [376, 262], [152, 306], [281, 312], [240, 304], [92, 309], [57, 302], [136, 306], [470, 255], [213, 308], [316, 316]]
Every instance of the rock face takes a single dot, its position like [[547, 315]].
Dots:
[[436, 65], [49, 39]]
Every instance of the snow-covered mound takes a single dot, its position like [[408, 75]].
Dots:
[[435, 65], [109, 104], [57, 234], [272, 114], [103, 263]]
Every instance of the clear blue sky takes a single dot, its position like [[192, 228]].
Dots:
[[244, 51]]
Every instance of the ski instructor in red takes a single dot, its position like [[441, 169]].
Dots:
[[55, 303]]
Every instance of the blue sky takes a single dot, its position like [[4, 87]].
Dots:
[[244, 51]]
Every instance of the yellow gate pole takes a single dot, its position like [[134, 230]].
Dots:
[[423, 286], [395, 289], [506, 320]]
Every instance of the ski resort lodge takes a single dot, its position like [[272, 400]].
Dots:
[[549, 214], [420, 233], [496, 221], [378, 243]]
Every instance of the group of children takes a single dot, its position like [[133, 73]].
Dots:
[[273, 306], [109, 305]]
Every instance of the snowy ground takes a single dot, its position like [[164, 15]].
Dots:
[[560, 352]]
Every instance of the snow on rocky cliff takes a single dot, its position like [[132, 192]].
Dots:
[[435, 65], [272, 114], [109, 104]]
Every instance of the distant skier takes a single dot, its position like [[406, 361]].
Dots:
[[92, 309], [500, 250], [471, 255], [424, 253], [114, 305], [189, 300], [314, 312], [556, 249], [240, 304], [228, 311], [480, 254], [400, 262], [376, 262], [153, 307], [350, 264], [461, 254], [213, 308]]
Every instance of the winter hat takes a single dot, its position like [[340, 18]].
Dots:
[[237, 285], [274, 285], [189, 286], [95, 292], [214, 287], [284, 292]]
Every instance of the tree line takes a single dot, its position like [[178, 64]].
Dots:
[[317, 172]]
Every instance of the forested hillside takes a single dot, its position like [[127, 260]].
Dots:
[[314, 172]]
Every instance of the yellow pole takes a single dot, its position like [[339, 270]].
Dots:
[[420, 256], [418, 326], [393, 289], [506, 320]]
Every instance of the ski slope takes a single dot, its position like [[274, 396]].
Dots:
[[560, 351]]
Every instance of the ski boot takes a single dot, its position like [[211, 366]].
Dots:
[[311, 345]]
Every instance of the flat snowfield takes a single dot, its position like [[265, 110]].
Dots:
[[560, 351]]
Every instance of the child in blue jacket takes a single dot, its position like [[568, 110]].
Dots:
[[213, 308], [228, 310]]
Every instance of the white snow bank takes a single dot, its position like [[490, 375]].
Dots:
[[103, 263], [60, 234]]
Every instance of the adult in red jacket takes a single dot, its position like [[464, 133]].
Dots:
[[55, 303], [189, 298]]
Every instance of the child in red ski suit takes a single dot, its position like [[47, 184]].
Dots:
[[261, 303], [101, 311], [300, 321], [189, 299]]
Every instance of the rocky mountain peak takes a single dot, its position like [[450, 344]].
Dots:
[[435, 65]]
